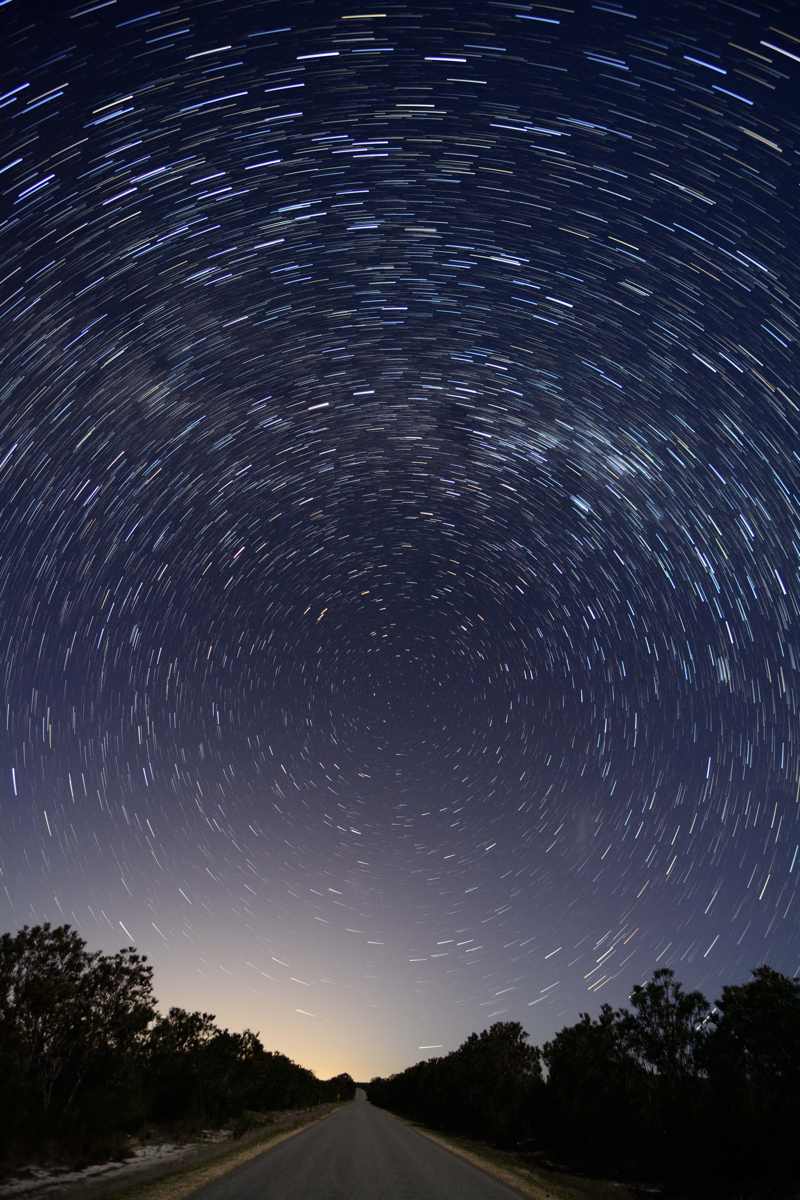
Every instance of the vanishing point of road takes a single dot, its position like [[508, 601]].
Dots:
[[357, 1153]]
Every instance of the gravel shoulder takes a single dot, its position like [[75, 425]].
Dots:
[[165, 1172], [526, 1173]]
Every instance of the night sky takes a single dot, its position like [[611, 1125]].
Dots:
[[400, 460]]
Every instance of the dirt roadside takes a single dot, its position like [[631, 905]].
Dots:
[[528, 1176], [176, 1178]]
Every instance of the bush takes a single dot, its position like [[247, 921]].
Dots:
[[84, 1058], [666, 1088], [486, 1088]]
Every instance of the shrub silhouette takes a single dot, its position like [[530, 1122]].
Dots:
[[488, 1087], [666, 1088], [70, 1023], [753, 1059], [84, 1054]]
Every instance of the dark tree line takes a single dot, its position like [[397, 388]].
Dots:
[[489, 1087], [669, 1087], [83, 1050]]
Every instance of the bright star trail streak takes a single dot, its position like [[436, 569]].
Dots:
[[399, 451]]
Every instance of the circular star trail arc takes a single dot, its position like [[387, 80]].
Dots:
[[399, 451]]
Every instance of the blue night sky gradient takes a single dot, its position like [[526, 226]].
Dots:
[[400, 456]]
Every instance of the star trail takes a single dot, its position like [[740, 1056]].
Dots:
[[399, 451]]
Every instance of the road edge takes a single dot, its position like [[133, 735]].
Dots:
[[509, 1178], [186, 1182]]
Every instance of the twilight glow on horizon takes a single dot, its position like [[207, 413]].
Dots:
[[400, 462]]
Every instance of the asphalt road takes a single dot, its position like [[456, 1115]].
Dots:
[[358, 1153]]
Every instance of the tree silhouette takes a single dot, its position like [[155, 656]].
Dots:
[[757, 1033], [496, 1073], [753, 1058], [63, 1009], [666, 1087], [488, 1087], [667, 1029], [594, 1087]]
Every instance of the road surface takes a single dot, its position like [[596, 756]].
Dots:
[[358, 1153]]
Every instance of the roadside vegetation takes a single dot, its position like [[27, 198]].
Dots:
[[86, 1060], [706, 1099]]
